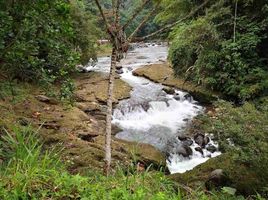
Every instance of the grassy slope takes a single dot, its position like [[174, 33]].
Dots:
[[28, 172]]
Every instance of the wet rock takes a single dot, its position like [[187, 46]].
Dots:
[[185, 120], [145, 106], [211, 148], [118, 67], [185, 140], [177, 97], [145, 83], [199, 139], [199, 149], [184, 150], [206, 140], [119, 71], [188, 142], [182, 137], [187, 97], [142, 57], [130, 68], [168, 90]]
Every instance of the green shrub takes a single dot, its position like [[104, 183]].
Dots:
[[205, 51], [242, 132], [43, 41]]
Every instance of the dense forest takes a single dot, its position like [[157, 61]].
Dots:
[[59, 107]]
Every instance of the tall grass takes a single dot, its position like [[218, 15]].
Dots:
[[29, 172]]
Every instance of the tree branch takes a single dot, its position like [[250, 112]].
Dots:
[[116, 15], [146, 18], [102, 14], [135, 14], [168, 26]]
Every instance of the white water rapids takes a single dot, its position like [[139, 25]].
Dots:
[[152, 116]]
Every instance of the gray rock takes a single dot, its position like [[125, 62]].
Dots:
[[119, 67], [177, 97], [206, 140], [199, 139], [184, 150], [211, 148], [199, 149], [182, 137], [119, 71], [188, 97], [188, 142]]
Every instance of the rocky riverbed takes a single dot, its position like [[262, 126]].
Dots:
[[156, 114]]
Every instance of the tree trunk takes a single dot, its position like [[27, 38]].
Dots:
[[108, 150]]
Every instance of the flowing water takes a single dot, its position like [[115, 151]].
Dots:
[[152, 116]]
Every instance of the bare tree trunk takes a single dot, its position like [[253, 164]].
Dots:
[[108, 151]]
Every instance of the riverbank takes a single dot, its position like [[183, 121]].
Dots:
[[235, 168], [163, 73], [78, 129]]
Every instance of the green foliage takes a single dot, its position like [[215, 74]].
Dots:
[[207, 51], [29, 172], [242, 131], [43, 41]]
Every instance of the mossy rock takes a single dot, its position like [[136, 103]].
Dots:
[[245, 179], [163, 73]]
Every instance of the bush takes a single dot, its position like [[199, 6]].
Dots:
[[204, 50], [242, 132], [43, 41]]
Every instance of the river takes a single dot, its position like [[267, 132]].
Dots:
[[151, 115]]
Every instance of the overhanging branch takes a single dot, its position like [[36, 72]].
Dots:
[[146, 18], [135, 14], [102, 14], [169, 26]]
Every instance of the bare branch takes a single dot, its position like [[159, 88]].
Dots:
[[146, 18], [135, 14], [168, 26]]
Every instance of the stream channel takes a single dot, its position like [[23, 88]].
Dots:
[[151, 115]]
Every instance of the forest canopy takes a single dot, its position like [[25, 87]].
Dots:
[[223, 47]]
